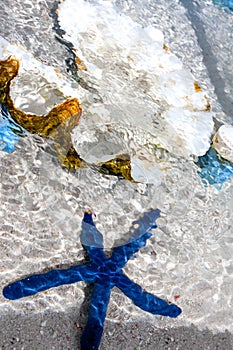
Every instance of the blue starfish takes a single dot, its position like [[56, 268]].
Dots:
[[105, 273], [8, 130]]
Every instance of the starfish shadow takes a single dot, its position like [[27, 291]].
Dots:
[[104, 273]]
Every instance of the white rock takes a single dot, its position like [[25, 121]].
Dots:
[[145, 171], [187, 130], [223, 142], [34, 79], [97, 144], [144, 88], [143, 84]]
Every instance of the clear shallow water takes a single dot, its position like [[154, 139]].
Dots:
[[42, 205]]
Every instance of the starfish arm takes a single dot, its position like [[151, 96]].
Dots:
[[123, 253], [146, 301], [90, 236], [145, 224], [37, 283], [92, 333], [92, 239]]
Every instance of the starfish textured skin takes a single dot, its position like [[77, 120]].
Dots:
[[105, 273]]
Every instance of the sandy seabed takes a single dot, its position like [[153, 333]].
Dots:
[[49, 323]]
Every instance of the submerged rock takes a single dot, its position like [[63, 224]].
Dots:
[[147, 98], [223, 142], [142, 83], [57, 124]]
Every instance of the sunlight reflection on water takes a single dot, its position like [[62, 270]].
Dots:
[[42, 205]]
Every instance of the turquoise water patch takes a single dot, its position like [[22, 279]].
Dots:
[[8, 131], [214, 169], [225, 3]]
